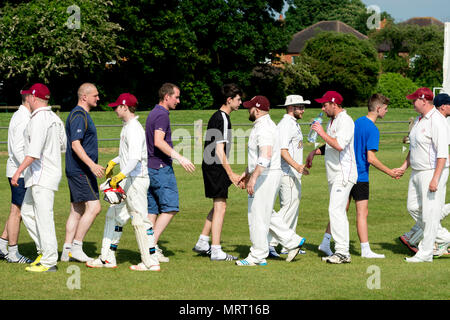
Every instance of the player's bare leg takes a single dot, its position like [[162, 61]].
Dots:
[[202, 246], [161, 223], [220, 207], [362, 212]]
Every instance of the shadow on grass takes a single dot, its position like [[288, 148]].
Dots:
[[396, 246]]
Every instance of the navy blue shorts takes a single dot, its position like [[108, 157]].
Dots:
[[83, 188], [162, 194], [18, 193]]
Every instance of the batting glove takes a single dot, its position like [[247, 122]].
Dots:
[[116, 179], [109, 169]]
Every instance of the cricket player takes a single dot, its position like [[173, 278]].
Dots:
[[428, 159], [412, 238], [45, 138], [217, 173], [82, 171], [341, 170], [17, 125], [292, 167], [262, 181], [133, 176]]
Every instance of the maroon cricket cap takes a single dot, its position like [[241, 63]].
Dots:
[[126, 99], [421, 93], [38, 90], [331, 96], [260, 102]]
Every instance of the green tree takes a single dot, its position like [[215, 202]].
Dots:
[[396, 87], [425, 49], [41, 40], [298, 77], [189, 41], [344, 63], [304, 13]]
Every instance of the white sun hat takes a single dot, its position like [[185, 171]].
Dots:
[[293, 100]]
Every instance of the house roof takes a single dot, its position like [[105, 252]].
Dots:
[[424, 21], [300, 38]]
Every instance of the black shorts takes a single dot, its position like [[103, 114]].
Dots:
[[83, 188], [18, 193], [360, 191], [216, 181]]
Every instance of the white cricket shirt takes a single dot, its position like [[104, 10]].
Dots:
[[16, 143], [428, 141], [264, 133], [291, 138], [45, 138], [341, 164], [133, 147]]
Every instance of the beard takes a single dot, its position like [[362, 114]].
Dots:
[[252, 117]]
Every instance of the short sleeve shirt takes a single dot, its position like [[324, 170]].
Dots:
[[291, 138], [218, 131], [158, 119], [428, 141], [79, 126], [367, 137], [341, 164]]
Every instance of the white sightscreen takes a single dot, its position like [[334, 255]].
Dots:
[[446, 65]]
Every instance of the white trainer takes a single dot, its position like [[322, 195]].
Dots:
[[141, 267], [79, 255], [99, 263]]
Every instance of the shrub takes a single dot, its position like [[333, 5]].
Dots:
[[195, 95], [396, 87]]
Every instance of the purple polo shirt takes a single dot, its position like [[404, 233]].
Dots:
[[158, 119]]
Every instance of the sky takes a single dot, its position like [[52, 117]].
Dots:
[[402, 10]]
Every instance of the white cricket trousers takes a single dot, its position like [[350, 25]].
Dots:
[[425, 208], [135, 207], [38, 218], [289, 196], [339, 194], [260, 218]]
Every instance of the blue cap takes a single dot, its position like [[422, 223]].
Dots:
[[441, 99]]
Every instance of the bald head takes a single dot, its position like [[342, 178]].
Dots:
[[88, 95]]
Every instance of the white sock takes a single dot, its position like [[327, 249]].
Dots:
[[203, 238], [203, 242], [67, 246], [13, 251], [3, 245], [77, 245], [216, 251], [366, 252]]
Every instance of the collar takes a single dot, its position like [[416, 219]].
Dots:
[[22, 108], [288, 116], [49, 108], [129, 121], [161, 108], [261, 119], [429, 113]]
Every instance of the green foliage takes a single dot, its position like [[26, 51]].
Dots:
[[304, 13], [425, 48], [396, 88], [38, 44], [198, 96], [298, 77], [345, 64], [211, 42]]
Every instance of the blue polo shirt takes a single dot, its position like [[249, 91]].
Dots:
[[367, 137], [79, 126]]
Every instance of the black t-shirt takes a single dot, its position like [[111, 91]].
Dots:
[[218, 131]]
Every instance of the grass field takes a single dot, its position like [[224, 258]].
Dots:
[[190, 277]]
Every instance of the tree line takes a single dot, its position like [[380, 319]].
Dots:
[[130, 46]]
